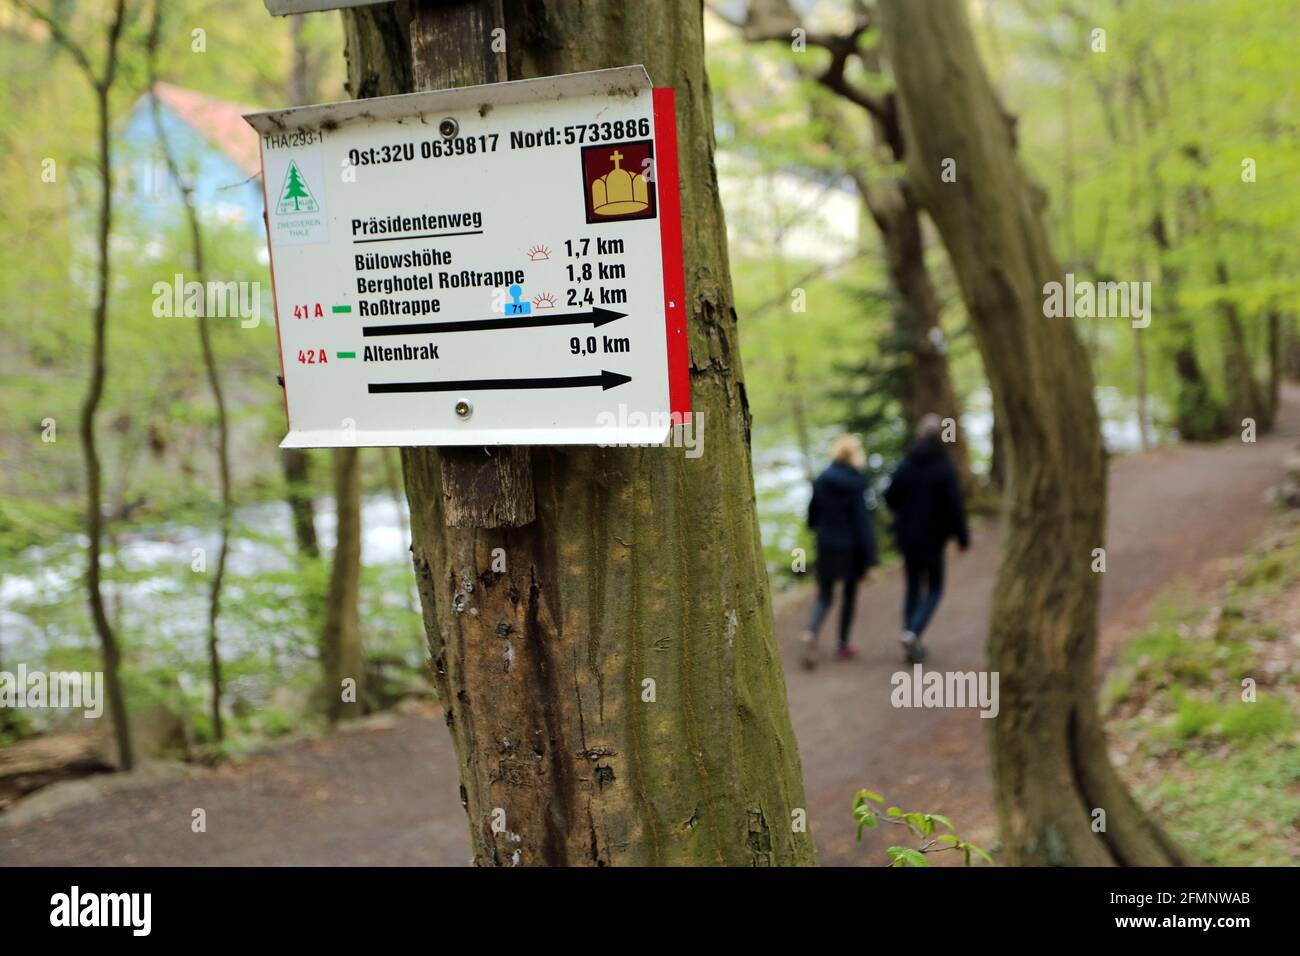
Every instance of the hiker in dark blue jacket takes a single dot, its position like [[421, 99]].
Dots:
[[846, 541], [924, 494]]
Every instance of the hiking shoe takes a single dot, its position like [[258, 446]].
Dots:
[[808, 653], [913, 652], [846, 652]]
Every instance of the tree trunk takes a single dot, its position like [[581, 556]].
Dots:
[[1245, 397], [793, 387], [298, 495], [893, 208], [897, 216], [1140, 389], [213, 375], [1051, 770], [341, 641], [1273, 389], [102, 84], [1290, 347], [1197, 415], [89, 410], [610, 675]]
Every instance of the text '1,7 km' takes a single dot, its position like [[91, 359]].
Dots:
[[491, 265]]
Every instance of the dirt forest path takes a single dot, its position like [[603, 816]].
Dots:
[[388, 794]]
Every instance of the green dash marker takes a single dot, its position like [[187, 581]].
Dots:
[[336, 309], [345, 354]]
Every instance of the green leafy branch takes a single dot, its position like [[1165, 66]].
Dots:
[[923, 826]]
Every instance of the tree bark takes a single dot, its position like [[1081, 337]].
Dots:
[[89, 410], [341, 641], [1290, 347], [610, 675], [298, 495], [213, 375], [1274, 345], [1140, 389], [1197, 415], [897, 216], [102, 83], [1245, 396], [1051, 770]]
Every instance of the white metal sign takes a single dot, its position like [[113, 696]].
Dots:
[[497, 264]]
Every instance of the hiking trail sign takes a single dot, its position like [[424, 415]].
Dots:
[[490, 265]]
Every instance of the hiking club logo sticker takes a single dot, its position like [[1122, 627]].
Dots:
[[618, 181], [295, 196], [298, 206]]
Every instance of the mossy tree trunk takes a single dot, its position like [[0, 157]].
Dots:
[[609, 670], [1051, 770]]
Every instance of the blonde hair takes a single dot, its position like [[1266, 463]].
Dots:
[[847, 448], [930, 426]]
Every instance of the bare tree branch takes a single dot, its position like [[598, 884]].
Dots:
[[775, 22], [64, 40]]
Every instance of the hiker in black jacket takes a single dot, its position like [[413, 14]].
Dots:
[[925, 496], [846, 541]]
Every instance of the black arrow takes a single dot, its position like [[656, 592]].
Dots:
[[606, 380], [597, 317]]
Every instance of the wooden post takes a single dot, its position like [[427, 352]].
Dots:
[[451, 45]]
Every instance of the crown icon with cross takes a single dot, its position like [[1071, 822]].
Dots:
[[619, 192]]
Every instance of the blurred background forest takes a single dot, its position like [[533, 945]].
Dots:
[[1167, 149]]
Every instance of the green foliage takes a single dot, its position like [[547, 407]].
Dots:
[[1187, 101], [1235, 720], [922, 826], [1204, 707], [1233, 807]]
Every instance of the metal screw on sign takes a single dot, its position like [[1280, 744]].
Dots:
[[448, 127], [464, 409]]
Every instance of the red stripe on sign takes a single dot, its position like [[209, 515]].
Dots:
[[667, 188]]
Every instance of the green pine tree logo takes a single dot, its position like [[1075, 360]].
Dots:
[[295, 196]]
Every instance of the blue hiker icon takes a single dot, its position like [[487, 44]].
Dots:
[[516, 307]]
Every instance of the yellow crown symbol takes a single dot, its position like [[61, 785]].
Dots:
[[619, 192]]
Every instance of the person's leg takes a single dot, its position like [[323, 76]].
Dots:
[[913, 568], [912, 571], [925, 608], [825, 595], [846, 610]]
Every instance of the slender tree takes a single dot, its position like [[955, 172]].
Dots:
[[101, 80], [210, 368], [888, 198], [609, 669], [296, 464], [341, 639], [1051, 770]]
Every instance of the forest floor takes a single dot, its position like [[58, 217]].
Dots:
[[387, 793]]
